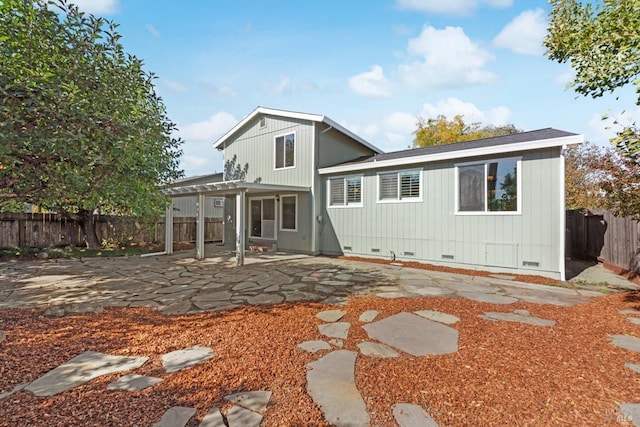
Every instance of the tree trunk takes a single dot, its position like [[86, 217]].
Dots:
[[88, 226]]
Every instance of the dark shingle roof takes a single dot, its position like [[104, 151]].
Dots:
[[534, 135]]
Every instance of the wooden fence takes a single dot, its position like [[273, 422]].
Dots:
[[23, 230], [599, 235], [184, 229], [36, 230]]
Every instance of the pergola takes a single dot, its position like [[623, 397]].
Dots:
[[220, 189]]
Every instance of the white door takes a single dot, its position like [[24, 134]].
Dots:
[[263, 218]]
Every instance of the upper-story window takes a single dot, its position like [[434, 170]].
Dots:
[[400, 186], [491, 186], [285, 151]]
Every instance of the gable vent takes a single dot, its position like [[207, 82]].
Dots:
[[263, 122]]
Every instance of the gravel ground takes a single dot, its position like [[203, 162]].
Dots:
[[503, 374]]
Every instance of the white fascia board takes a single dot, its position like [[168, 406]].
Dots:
[[347, 132], [270, 111], [293, 115], [459, 154]]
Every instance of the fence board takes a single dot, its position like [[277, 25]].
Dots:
[[603, 236], [184, 229]]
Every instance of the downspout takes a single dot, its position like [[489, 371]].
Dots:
[[562, 222]]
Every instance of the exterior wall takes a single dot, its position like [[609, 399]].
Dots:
[[256, 146], [186, 206], [429, 229]]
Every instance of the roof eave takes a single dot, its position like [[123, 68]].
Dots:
[[458, 154]]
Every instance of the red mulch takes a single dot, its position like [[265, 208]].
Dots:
[[503, 374]]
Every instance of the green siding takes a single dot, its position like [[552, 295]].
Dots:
[[431, 229], [255, 146]]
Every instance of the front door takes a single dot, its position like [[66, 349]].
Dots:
[[263, 218]]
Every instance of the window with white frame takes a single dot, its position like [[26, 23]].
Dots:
[[289, 213], [345, 191], [490, 186], [397, 186], [285, 151]]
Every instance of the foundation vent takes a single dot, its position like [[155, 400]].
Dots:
[[409, 253], [375, 250], [530, 264], [445, 256], [347, 248]]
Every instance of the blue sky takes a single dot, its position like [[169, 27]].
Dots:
[[373, 66]]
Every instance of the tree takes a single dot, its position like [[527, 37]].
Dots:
[[602, 44], [81, 127], [440, 131]]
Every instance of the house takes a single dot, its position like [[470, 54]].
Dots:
[[310, 185]]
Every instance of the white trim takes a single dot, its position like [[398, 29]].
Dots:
[[458, 154], [275, 217], [486, 210], [314, 147], [346, 203], [292, 115], [562, 219], [284, 147], [295, 229], [399, 198]]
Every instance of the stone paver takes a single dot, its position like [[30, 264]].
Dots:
[[335, 330], [368, 316], [3, 336], [331, 315], [177, 416], [437, 316], [133, 382], [180, 284], [629, 311], [331, 384], [213, 419], [634, 320], [180, 359], [241, 417], [80, 370], [633, 366], [414, 334], [408, 415], [313, 346], [256, 401], [518, 318], [626, 341], [375, 349], [631, 412]]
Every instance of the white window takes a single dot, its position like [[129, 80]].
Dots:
[[400, 186], [491, 186], [289, 213], [285, 151], [345, 191]]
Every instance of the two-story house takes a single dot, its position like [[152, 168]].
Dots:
[[309, 185]]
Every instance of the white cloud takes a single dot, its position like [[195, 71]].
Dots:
[[447, 58], [524, 34], [99, 7], [450, 7], [371, 83], [174, 86], [152, 30], [208, 130], [566, 77], [470, 113], [193, 162], [218, 92], [276, 88]]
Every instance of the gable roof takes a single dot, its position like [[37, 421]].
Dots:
[[293, 115], [536, 139]]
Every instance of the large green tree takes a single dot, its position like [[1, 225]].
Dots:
[[81, 127], [601, 42], [441, 130]]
